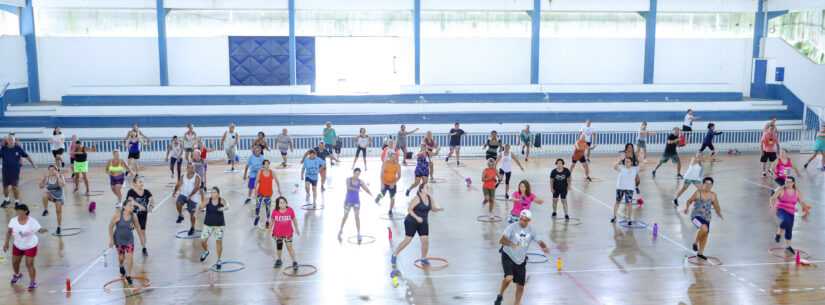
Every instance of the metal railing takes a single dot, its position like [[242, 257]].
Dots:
[[552, 143]]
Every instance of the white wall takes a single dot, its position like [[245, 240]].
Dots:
[[198, 61], [707, 5], [363, 64], [477, 5], [704, 61], [597, 5], [475, 61], [71, 61], [226, 4], [13, 61], [795, 5], [571, 60], [802, 76], [96, 3], [14, 2], [354, 4]]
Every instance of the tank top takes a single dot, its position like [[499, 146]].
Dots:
[[175, 150], [783, 169], [353, 189], [701, 207], [57, 142], [200, 167], [123, 232], [213, 215], [189, 186], [53, 187], [116, 170], [265, 186], [787, 201], [363, 142], [81, 156], [422, 209], [134, 145], [189, 140], [231, 138], [507, 162], [421, 163]]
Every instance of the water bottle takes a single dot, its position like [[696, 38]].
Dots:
[[655, 229], [106, 258], [559, 263], [3, 258]]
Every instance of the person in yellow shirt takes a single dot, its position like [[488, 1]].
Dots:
[[390, 174]]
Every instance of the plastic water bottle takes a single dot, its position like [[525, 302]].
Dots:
[[3, 258], [655, 229], [468, 181], [559, 263], [105, 259]]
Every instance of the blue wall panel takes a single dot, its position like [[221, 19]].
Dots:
[[264, 60]]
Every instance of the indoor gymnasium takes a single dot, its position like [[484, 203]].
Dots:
[[599, 152]]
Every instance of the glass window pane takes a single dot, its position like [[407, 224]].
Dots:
[[354, 23], [805, 31], [592, 25], [475, 24], [85, 22], [704, 25], [211, 23], [9, 24]]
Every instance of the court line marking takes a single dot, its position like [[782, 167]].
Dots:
[[162, 202], [83, 273], [457, 275], [758, 184], [665, 237]]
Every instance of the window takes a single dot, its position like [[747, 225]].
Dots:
[[704, 25], [354, 23], [85, 22], [475, 24], [805, 31], [592, 25], [211, 23], [9, 24]]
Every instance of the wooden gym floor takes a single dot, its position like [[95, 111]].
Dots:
[[602, 263]]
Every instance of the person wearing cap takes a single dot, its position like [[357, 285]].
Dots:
[[11, 153], [514, 242]]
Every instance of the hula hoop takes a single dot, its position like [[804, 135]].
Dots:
[[573, 221], [712, 260], [239, 264], [782, 253], [541, 258], [444, 264], [637, 224], [289, 271], [365, 239], [311, 207], [395, 216], [489, 218], [94, 193], [185, 234], [146, 283], [68, 232], [438, 180]]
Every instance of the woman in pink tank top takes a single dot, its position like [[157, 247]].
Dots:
[[784, 200]]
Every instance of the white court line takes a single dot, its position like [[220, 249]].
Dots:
[[758, 184], [665, 237], [97, 260], [162, 202], [458, 275]]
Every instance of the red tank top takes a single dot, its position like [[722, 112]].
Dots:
[[265, 186]]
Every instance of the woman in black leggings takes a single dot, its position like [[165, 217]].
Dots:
[[416, 222]]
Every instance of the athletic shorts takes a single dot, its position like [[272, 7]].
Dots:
[[780, 181], [134, 155], [692, 181], [350, 205], [175, 161], [284, 152], [191, 205], [489, 192], [209, 231], [189, 150], [81, 167], [506, 175], [583, 159], [560, 193], [125, 249], [142, 217], [626, 195], [115, 180], [491, 155], [819, 146], [517, 271], [389, 188], [707, 145], [641, 144], [31, 252], [313, 182], [251, 183], [686, 128], [698, 221], [674, 158], [10, 177], [767, 156], [230, 153], [412, 226], [58, 152]]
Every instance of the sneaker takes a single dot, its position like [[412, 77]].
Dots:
[[45, 213], [407, 193], [191, 232], [180, 219], [278, 264], [776, 238], [588, 179], [359, 239], [676, 202], [122, 271], [32, 285], [267, 224], [255, 222], [499, 298], [566, 217], [805, 166], [613, 220], [394, 261], [702, 257], [653, 173], [378, 199], [218, 265], [204, 254], [629, 223], [295, 267], [695, 247], [16, 278], [790, 250], [247, 201], [553, 215], [425, 262], [679, 177], [5, 203], [145, 253], [128, 280]]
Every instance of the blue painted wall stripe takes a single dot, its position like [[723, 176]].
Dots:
[[10, 8], [293, 66], [417, 39], [163, 63], [758, 28], [535, 42], [650, 43], [775, 14], [28, 33]]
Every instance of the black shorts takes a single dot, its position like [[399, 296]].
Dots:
[[142, 216], [583, 159], [560, 193], [411, 226], [134, 155], [389, 188], [57, 152], [360, 150], [491, 155], [780, 181], [506, 175], [707, 145], [517, 271], [767, 156], [686, 128]]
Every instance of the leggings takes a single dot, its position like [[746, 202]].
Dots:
[[785, 222]]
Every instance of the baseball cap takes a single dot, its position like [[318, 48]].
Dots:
[[527, 214]]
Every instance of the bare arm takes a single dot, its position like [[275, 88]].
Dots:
[[295, 226], [506, 242], [43, 182], [364, 186], [112, 229], [691, 200], [716, 207], [223, 138], [8, 238], [513, 156], [136, 225], [197, 187]]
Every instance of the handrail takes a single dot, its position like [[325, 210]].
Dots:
[[5, 88]]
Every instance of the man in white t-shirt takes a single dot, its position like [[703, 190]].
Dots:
[[589, 136], [23, 230], [687, 123], [229, 141]]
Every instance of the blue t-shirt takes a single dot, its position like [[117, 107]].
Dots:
[[312, 167], [254, 163], [321, 153], [11, 157]]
